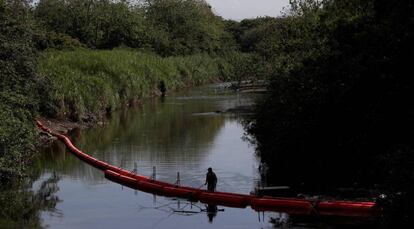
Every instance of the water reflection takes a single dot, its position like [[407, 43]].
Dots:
[[22, 206], [181, 207], [186, 133], [167, 133], [211, 210]]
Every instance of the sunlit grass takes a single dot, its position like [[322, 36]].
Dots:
[[85, 81]]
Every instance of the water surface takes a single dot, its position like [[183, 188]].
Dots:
[[186, 133], [183, 133]]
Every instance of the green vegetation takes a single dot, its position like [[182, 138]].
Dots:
[[167, 27], [340, 112], [18, 89], [78, 59], [184, 27], [97, 24], [86, 81], [335, 93]]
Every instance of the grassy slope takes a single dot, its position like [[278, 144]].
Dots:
[[89, 81]]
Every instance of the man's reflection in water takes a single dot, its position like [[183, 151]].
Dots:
[[211, 212]]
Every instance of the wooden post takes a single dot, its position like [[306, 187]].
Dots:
[[178, 182]]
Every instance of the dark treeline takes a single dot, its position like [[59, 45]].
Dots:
[[340, 112]]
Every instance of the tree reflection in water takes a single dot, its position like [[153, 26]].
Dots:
[[21, 206]]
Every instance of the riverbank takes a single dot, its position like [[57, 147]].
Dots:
[[87, 83], [59, 126], [83, 86], [79, 88]]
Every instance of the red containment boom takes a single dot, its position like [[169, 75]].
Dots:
[[289, 205]]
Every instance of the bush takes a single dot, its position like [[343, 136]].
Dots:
[[18, 88]]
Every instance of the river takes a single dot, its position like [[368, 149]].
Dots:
[[183, 133], [186, 132]]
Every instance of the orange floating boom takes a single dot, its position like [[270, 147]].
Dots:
[[289, 205]]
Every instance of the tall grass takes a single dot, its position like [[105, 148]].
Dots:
[[89, 81]]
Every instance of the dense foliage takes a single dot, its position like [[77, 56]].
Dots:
[[97, 24], [184, 27], [340, 111], [168, 27], [18, 88]]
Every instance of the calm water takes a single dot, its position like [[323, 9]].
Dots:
[[181, 133]]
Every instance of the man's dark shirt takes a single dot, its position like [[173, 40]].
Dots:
[[211, 180]]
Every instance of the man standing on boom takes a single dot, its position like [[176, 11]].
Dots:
[[211, 180]]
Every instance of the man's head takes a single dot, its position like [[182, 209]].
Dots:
[[210, 169]]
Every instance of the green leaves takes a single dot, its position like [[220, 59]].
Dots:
[[168, 27], [187, 27], [98, 24], [339, 91], [18, 88]]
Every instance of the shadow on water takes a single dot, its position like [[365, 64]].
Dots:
[[382, 175], [22, 204], [184, 208]]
